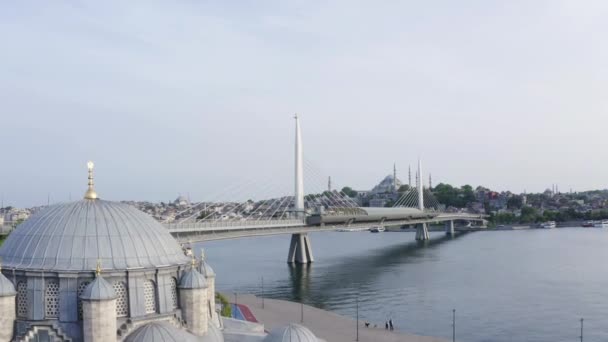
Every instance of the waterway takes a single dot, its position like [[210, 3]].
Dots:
[[529, 285]]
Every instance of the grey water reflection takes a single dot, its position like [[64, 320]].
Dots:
[[353, 274], [506, 286]]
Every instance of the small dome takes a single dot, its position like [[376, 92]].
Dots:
[[99, 289], [206, 270], [6, 287], [160, 332], [193, 279], [214, 334], [74, 236], [291, 333]]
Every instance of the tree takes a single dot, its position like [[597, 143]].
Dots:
[[348, 191], [403, 188], [528, 215], [515, 202]]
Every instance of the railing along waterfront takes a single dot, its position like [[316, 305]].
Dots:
[[235, 224]]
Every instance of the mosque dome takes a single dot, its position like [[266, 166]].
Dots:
[[99, 289], [75, 236], [214, 334], [291, 333], [160, 332], [193, 279], [207, 270]]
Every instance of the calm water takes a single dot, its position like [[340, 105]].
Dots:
[[530, 285]]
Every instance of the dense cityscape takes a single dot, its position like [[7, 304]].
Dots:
[[503, 207]]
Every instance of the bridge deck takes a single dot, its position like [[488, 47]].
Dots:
[[192, 232]]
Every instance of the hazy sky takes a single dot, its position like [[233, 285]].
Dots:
[[196, 97]]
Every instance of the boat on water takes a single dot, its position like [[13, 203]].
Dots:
[[600, 224], [588, 224], [377, 229], [343, 230], [547, 225]]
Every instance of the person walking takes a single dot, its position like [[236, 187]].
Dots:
[[390, 324], [386, 325]]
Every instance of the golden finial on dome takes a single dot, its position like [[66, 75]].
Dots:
[[193, 261], [90, 194], [98, 268]]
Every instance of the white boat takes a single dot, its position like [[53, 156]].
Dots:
[[377, 229], [351, 229], [548, 224], [600, 224]]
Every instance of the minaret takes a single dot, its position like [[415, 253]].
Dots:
[[420, 187], [329, 184], [299, 172], [193, 300], [430, 181], [209, 274], [7, 307], [98, 310], [409, 176], [394, 176]]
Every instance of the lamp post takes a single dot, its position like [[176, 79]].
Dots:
[[453, 325], [235, 306], [357, 339], [262, 292]]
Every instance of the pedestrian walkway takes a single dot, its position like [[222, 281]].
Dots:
[[326, 325]]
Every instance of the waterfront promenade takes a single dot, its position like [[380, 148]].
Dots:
[[324, 324]]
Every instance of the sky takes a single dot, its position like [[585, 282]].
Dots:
[[197, 97]]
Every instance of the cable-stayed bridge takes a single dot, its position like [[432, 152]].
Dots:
[[322, 210]]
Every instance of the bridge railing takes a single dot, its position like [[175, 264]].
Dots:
[[234, 224]]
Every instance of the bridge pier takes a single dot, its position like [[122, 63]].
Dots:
[[300, 250], [422, 232], [449, 228]]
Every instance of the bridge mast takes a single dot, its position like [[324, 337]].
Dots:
[[299, 173], [422, 231], [420, 186], [300, 250]]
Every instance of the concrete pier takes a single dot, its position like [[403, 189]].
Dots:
[[422, 232], [449, 228], [300, 250]]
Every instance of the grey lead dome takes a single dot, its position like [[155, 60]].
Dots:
[[291, 333], [75, 236], [160, 332], [99, 289]]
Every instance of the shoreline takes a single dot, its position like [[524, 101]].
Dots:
[[326, 325]]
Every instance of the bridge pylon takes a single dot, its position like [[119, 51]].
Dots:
[[449, 228], [422, 232], [300, 250]]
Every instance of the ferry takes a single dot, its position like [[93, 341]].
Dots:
[[548, 224], [377, 229], [600, 224]]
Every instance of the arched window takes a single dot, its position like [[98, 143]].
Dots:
[[51, 299], [22, 299], [122, 299], [150, 296], [81, 288], [173, 284]]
